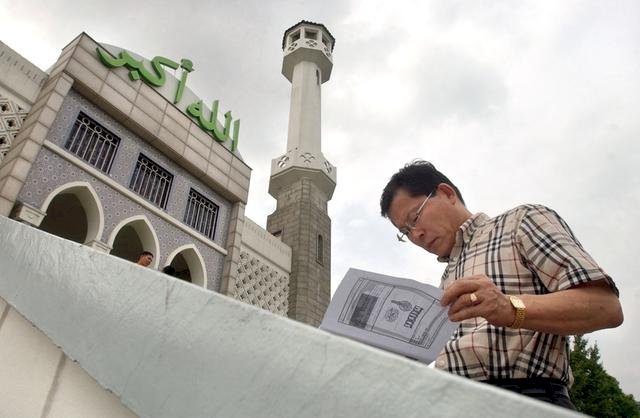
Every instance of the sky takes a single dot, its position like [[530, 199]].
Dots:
[[516, 102]]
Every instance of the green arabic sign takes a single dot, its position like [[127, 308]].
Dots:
[[156, 77]]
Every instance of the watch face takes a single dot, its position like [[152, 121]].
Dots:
[[517, 303]]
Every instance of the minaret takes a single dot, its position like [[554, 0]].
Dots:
[[302, 180]]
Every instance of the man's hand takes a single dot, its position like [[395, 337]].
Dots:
[[474, 296], [578, 310]]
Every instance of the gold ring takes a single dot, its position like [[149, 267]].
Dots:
[[473, 298]]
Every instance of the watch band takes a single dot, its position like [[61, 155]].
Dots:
[[520, 310]]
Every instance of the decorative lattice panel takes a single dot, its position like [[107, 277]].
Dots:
[[11, 118], [261, 285]]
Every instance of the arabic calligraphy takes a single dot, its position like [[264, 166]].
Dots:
[[157, 77], [210, 124], [187, 67], [137, 68]]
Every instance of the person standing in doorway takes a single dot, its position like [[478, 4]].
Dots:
[[145, 259]]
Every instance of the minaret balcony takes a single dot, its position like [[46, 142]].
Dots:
[[301, 50], [290, 167], [307, 41]]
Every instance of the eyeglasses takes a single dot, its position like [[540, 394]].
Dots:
[[410, 225]]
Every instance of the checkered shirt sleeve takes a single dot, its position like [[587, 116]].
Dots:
[[527, 250]]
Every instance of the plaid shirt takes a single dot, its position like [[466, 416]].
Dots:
[[527, 250]]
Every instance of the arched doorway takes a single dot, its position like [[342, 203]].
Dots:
[[181, 267], [188, 264], [73, 211], [131, 237], [66, 218]]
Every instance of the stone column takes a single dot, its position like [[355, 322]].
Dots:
[[234, 243]]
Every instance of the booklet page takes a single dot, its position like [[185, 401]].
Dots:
[[399, 315]]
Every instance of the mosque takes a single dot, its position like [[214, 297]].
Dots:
[[114, 151]]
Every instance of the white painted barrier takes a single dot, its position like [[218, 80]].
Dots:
[[166, 348]]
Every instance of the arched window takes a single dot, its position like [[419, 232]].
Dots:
[[132, 236], [320, 249], [188, 264], [74, 212]]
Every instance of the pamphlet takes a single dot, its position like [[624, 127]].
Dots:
[[398, 315]]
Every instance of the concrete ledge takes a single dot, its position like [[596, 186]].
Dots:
[[266, 245], [28, 363], [166, 348], [38, 380]]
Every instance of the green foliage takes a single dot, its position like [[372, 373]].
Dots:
[[594, 391]]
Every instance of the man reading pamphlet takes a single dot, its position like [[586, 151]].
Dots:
[[517, 284]]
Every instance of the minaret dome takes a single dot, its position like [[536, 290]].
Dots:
[[308, 41]]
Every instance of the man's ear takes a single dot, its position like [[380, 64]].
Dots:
[[446, 190]]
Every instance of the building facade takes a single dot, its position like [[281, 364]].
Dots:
[[111, 150]]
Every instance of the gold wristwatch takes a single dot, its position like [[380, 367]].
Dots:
[[520, 308]]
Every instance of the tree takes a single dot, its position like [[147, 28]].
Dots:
[[594, 391]]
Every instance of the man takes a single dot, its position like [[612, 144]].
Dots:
[[169, 270], [519, 284], [145, 259]]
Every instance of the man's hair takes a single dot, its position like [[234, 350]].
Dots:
[[417, 178], [145, 253], [169, 270]]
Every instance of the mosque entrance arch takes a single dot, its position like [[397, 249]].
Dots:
[[74, 212], [188, 265], [131, 237]]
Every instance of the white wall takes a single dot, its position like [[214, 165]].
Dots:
[[20, 80], [274, 251], [167, 348], [262, 276], [39, 380]]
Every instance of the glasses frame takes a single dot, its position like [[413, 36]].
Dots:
[[412, 225]]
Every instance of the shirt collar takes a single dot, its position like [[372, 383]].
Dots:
[[464, 234]]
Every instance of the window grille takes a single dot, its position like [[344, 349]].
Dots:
[[92, 143], [151, 181], [201, 214]]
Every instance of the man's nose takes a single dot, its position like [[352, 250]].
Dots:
[[415, 233]]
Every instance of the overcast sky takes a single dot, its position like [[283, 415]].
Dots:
[[517, 102]]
